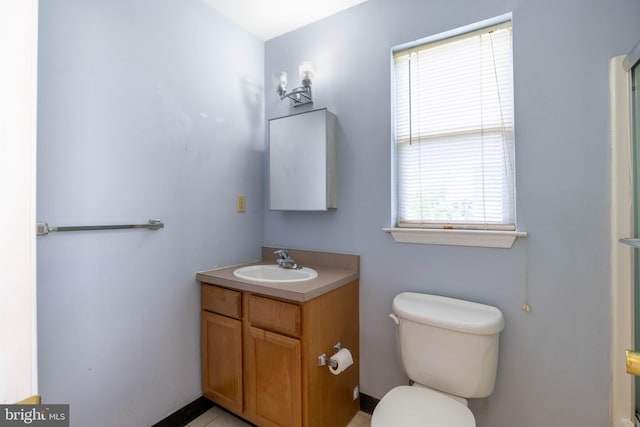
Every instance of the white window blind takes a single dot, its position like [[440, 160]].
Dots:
[[454, 132]]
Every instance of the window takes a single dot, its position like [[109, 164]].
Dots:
[[454, 135]]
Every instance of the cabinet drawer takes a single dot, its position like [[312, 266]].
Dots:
[[222, 301], [275, 315]]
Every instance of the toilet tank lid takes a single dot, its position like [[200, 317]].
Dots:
[[449, 313]]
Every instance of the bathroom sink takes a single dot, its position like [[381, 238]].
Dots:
[[273, 273]]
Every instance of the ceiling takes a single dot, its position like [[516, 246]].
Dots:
[[267, 19]]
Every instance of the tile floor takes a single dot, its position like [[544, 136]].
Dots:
[[216, 417]]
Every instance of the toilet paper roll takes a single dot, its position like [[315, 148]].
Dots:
[[344, 360]]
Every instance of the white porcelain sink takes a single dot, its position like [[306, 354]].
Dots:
[[273, 273]]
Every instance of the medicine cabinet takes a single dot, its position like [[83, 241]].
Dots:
[[302, 162]]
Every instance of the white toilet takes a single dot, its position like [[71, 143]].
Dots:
[[449, 350]]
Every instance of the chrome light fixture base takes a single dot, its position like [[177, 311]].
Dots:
[[298, 96]]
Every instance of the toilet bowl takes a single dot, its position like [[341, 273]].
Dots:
[[449, 349]]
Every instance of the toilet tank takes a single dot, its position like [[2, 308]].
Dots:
[[448, 344]]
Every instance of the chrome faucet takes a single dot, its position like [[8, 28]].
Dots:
[[285, 261]]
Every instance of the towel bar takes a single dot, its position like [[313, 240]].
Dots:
[[42, 228]]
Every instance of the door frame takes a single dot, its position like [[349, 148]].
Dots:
[[622, 395]]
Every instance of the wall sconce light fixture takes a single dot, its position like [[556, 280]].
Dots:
[[299, 95]]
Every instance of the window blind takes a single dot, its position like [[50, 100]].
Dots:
[[454, 132]]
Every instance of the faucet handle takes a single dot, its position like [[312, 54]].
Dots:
[[282, 253]]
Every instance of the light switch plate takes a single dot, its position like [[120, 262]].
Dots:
[[241, 203]]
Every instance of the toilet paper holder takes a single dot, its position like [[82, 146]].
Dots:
[[324, 360]]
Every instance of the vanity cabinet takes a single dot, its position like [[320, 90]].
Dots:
[[260, 356], [302, 161]]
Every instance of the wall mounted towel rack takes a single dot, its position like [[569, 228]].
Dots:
[[42, 228]]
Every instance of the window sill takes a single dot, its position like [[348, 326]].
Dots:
[[477, 238]]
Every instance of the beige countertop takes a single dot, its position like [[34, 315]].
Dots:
[[334, 270]]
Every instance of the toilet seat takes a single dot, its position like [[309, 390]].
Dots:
[[408, 406]]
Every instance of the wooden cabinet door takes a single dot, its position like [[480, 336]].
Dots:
[[222, 360], [273, 379]]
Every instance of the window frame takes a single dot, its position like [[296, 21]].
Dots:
[[482, 235]]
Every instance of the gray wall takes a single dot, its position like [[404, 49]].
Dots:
[[147, 109], [554, 367]]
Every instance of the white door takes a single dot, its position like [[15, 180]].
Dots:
[[18, 86]]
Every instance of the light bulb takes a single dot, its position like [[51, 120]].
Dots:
[[306, 71], [282, 87]]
